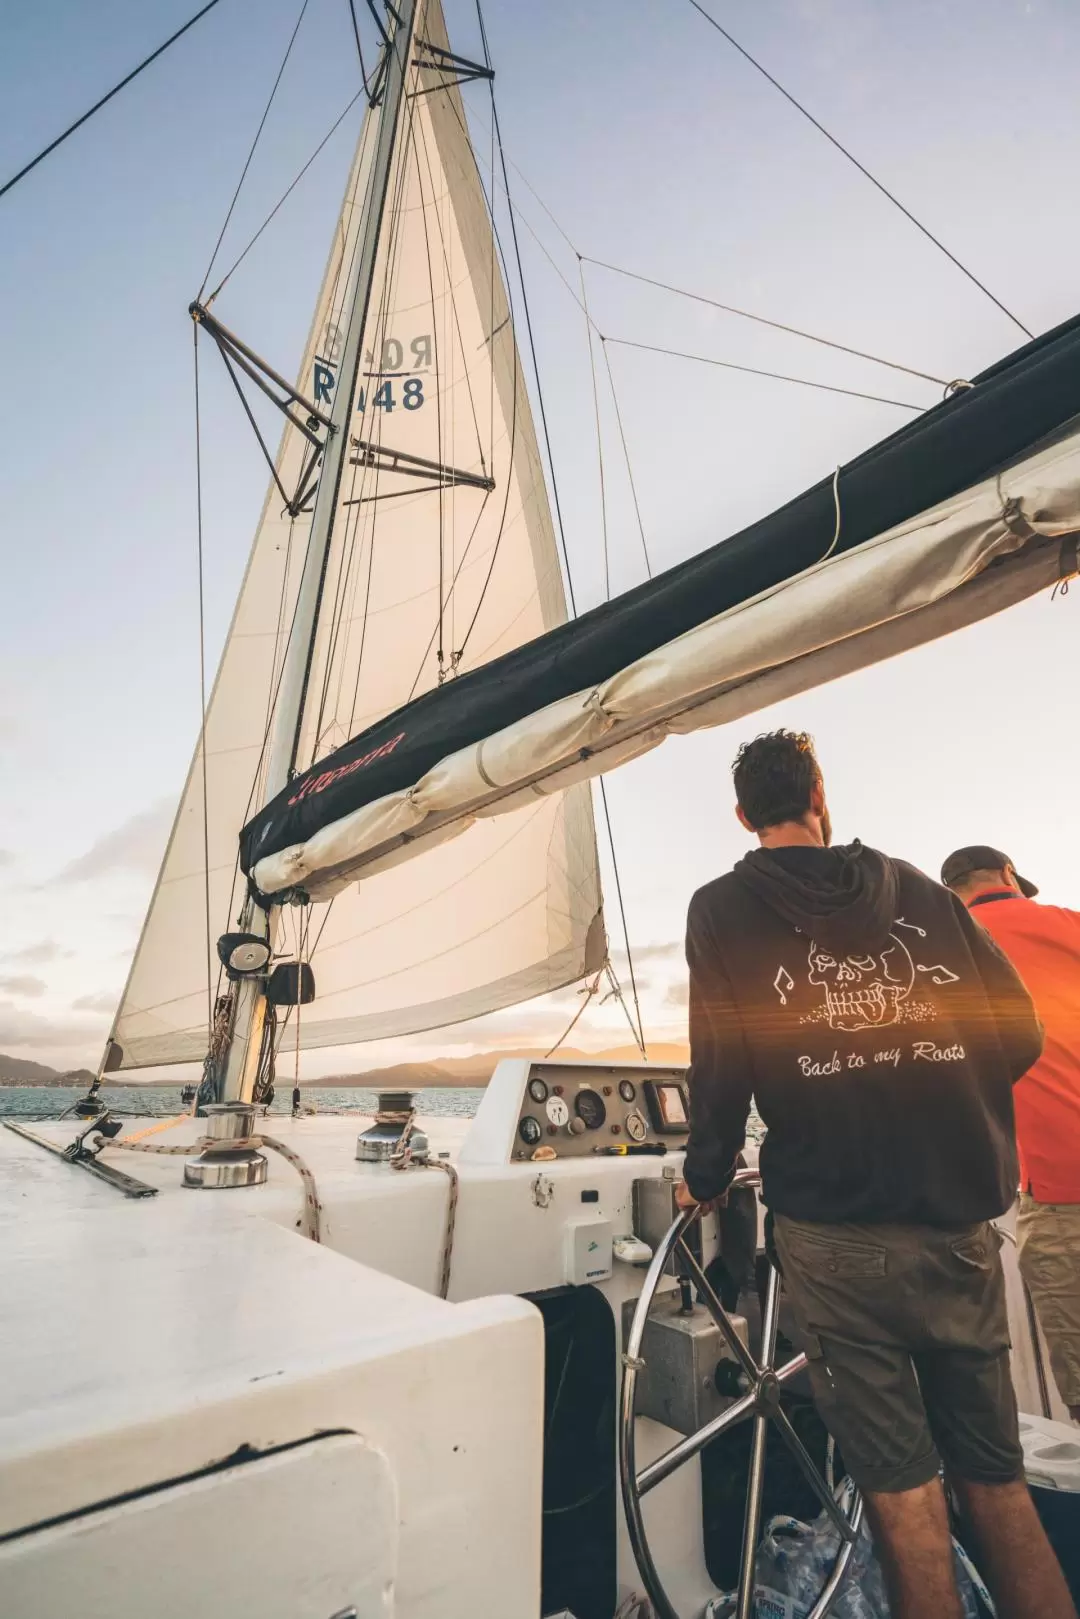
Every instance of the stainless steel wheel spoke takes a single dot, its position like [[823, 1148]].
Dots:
[[664, 1465], [813, 1477], [717, 1311], [761, 1400]]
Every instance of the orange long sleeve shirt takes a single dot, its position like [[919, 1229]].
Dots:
[[1043, 944]]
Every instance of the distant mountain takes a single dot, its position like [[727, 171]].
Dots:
[[474, 1070], [17, 1071], [477, 1069]]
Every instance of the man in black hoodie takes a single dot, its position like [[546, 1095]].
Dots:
[[880, 1032]]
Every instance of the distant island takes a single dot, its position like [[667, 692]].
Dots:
[[472, 1071], [16, 1071]]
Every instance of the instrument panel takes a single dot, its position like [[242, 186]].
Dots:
[[581, 1110]]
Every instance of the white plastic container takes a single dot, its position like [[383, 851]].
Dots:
[[1051, 1453]]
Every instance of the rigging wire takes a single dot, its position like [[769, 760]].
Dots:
[[754, 371], [682, 292], [202, 689], [860, 166], [254, 144], [626, 454], [145, 63], [761, 320], [554, 482], [622, 918], [525, 306], [599, 435], [616, 993], [284, 197], [359, 47]]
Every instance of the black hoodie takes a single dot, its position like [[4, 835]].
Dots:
[[878, 1028]]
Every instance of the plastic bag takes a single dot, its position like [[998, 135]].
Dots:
[[794, 1562]]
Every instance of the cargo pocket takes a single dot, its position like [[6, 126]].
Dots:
[[975, 1251], [829, 1257]]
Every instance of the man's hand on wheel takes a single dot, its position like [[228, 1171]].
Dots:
[[685, 1199]]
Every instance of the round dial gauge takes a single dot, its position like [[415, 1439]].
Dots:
[[538, 1090], [626, 1090], [590, 1109], [556, 1110], [636, 1128], [529, 1130]]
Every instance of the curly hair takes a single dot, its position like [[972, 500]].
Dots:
[[775, 775]]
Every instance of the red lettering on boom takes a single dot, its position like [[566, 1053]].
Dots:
[[318, 784]]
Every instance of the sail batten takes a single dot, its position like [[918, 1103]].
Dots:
[[442, 555]]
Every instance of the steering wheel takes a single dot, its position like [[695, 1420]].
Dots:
[[764, 1381]]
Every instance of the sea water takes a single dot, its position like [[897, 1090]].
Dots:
[[163, 1101]]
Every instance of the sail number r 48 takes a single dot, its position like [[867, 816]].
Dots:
[[410, 383]]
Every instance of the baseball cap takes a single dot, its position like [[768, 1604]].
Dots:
[[981, 857]]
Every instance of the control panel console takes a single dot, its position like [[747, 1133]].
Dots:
[[537, 1111]]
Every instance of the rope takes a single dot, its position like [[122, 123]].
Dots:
[[23, 172], [616, 992], [860, 166], [836, 503], [202, 692], [451, 1221], [312, 1216], [402, 1158], [760, 320], [589, 991], [753, 371], [254, 144]]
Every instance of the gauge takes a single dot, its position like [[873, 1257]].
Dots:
[[590, 1109], [636, 1128], [626, 1090], [557, 1110], [538, 1090], [529, 1130]]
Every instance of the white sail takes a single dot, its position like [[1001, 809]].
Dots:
[[443, 557]]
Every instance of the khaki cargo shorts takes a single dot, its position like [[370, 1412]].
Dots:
[[906, 1333], [1048, 1248]]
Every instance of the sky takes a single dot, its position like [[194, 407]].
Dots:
[[655, 147]]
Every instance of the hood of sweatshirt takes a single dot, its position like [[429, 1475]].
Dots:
[[845, 900]]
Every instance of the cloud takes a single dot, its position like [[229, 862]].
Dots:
[[37, 955], [105, 1001], [677, 995], [20, 1028], [136, 845], [7, 857], [22, 984]]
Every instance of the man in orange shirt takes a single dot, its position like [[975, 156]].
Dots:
[[1043, 944]]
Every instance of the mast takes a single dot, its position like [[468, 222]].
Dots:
[[245, 1039]]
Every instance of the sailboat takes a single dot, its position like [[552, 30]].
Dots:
[[383, 1377]]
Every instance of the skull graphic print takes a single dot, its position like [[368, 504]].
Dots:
[[862, 991]]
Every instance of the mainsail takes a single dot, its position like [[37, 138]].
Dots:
[[971, 508], [443, 558]]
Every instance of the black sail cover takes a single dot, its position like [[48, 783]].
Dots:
[[1023, 399]]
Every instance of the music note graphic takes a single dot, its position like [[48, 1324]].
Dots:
[[783, 977]]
